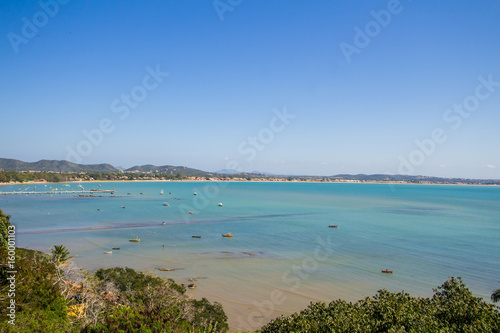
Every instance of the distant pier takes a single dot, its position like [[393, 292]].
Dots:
[[58, 192]]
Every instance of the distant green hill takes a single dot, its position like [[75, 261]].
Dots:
[[65, 166], [170, 170], [408, 178], [54, 165]]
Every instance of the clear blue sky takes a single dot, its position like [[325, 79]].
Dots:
[[359, 100]]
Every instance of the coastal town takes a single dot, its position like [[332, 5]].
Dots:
[[21, 177]]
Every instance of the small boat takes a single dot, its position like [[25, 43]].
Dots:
[[163, 223], [333, 226], [165, 204], [123, 206], [190, 212], [165, 269], [115, 248], [135, 240], [220, 204], [227, 235], [196, 236], [191, 286], [161, 192], [108, 252], [195, 193], [387, 271]]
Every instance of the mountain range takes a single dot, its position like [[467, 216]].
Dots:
[[66, 166], [54, 165]]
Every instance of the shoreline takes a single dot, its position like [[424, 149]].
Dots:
[[258, 180]]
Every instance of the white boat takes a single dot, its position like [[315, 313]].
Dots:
[[220, 204], [108, 252], [161, 192]]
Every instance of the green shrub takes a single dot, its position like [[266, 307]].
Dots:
[[4, 228], [453, 308]]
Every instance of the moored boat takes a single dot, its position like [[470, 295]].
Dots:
[[386, 271], [227, 235], [333, 226], [135, 240], [196, 236]]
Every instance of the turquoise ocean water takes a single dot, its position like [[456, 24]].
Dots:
[[282, 254]]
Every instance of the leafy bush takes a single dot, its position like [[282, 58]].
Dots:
[[152, 304], [4, 228], [127, 279], [453, 308]]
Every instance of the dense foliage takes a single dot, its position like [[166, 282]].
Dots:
[[16, 176], [112, 300], [54, 165], [4, 228], [56, 177], [146, 301], [495, 296], [453, 308]]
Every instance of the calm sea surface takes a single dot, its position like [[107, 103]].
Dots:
[[283, 254]]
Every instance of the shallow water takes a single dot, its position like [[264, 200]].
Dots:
[[282, 255]]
